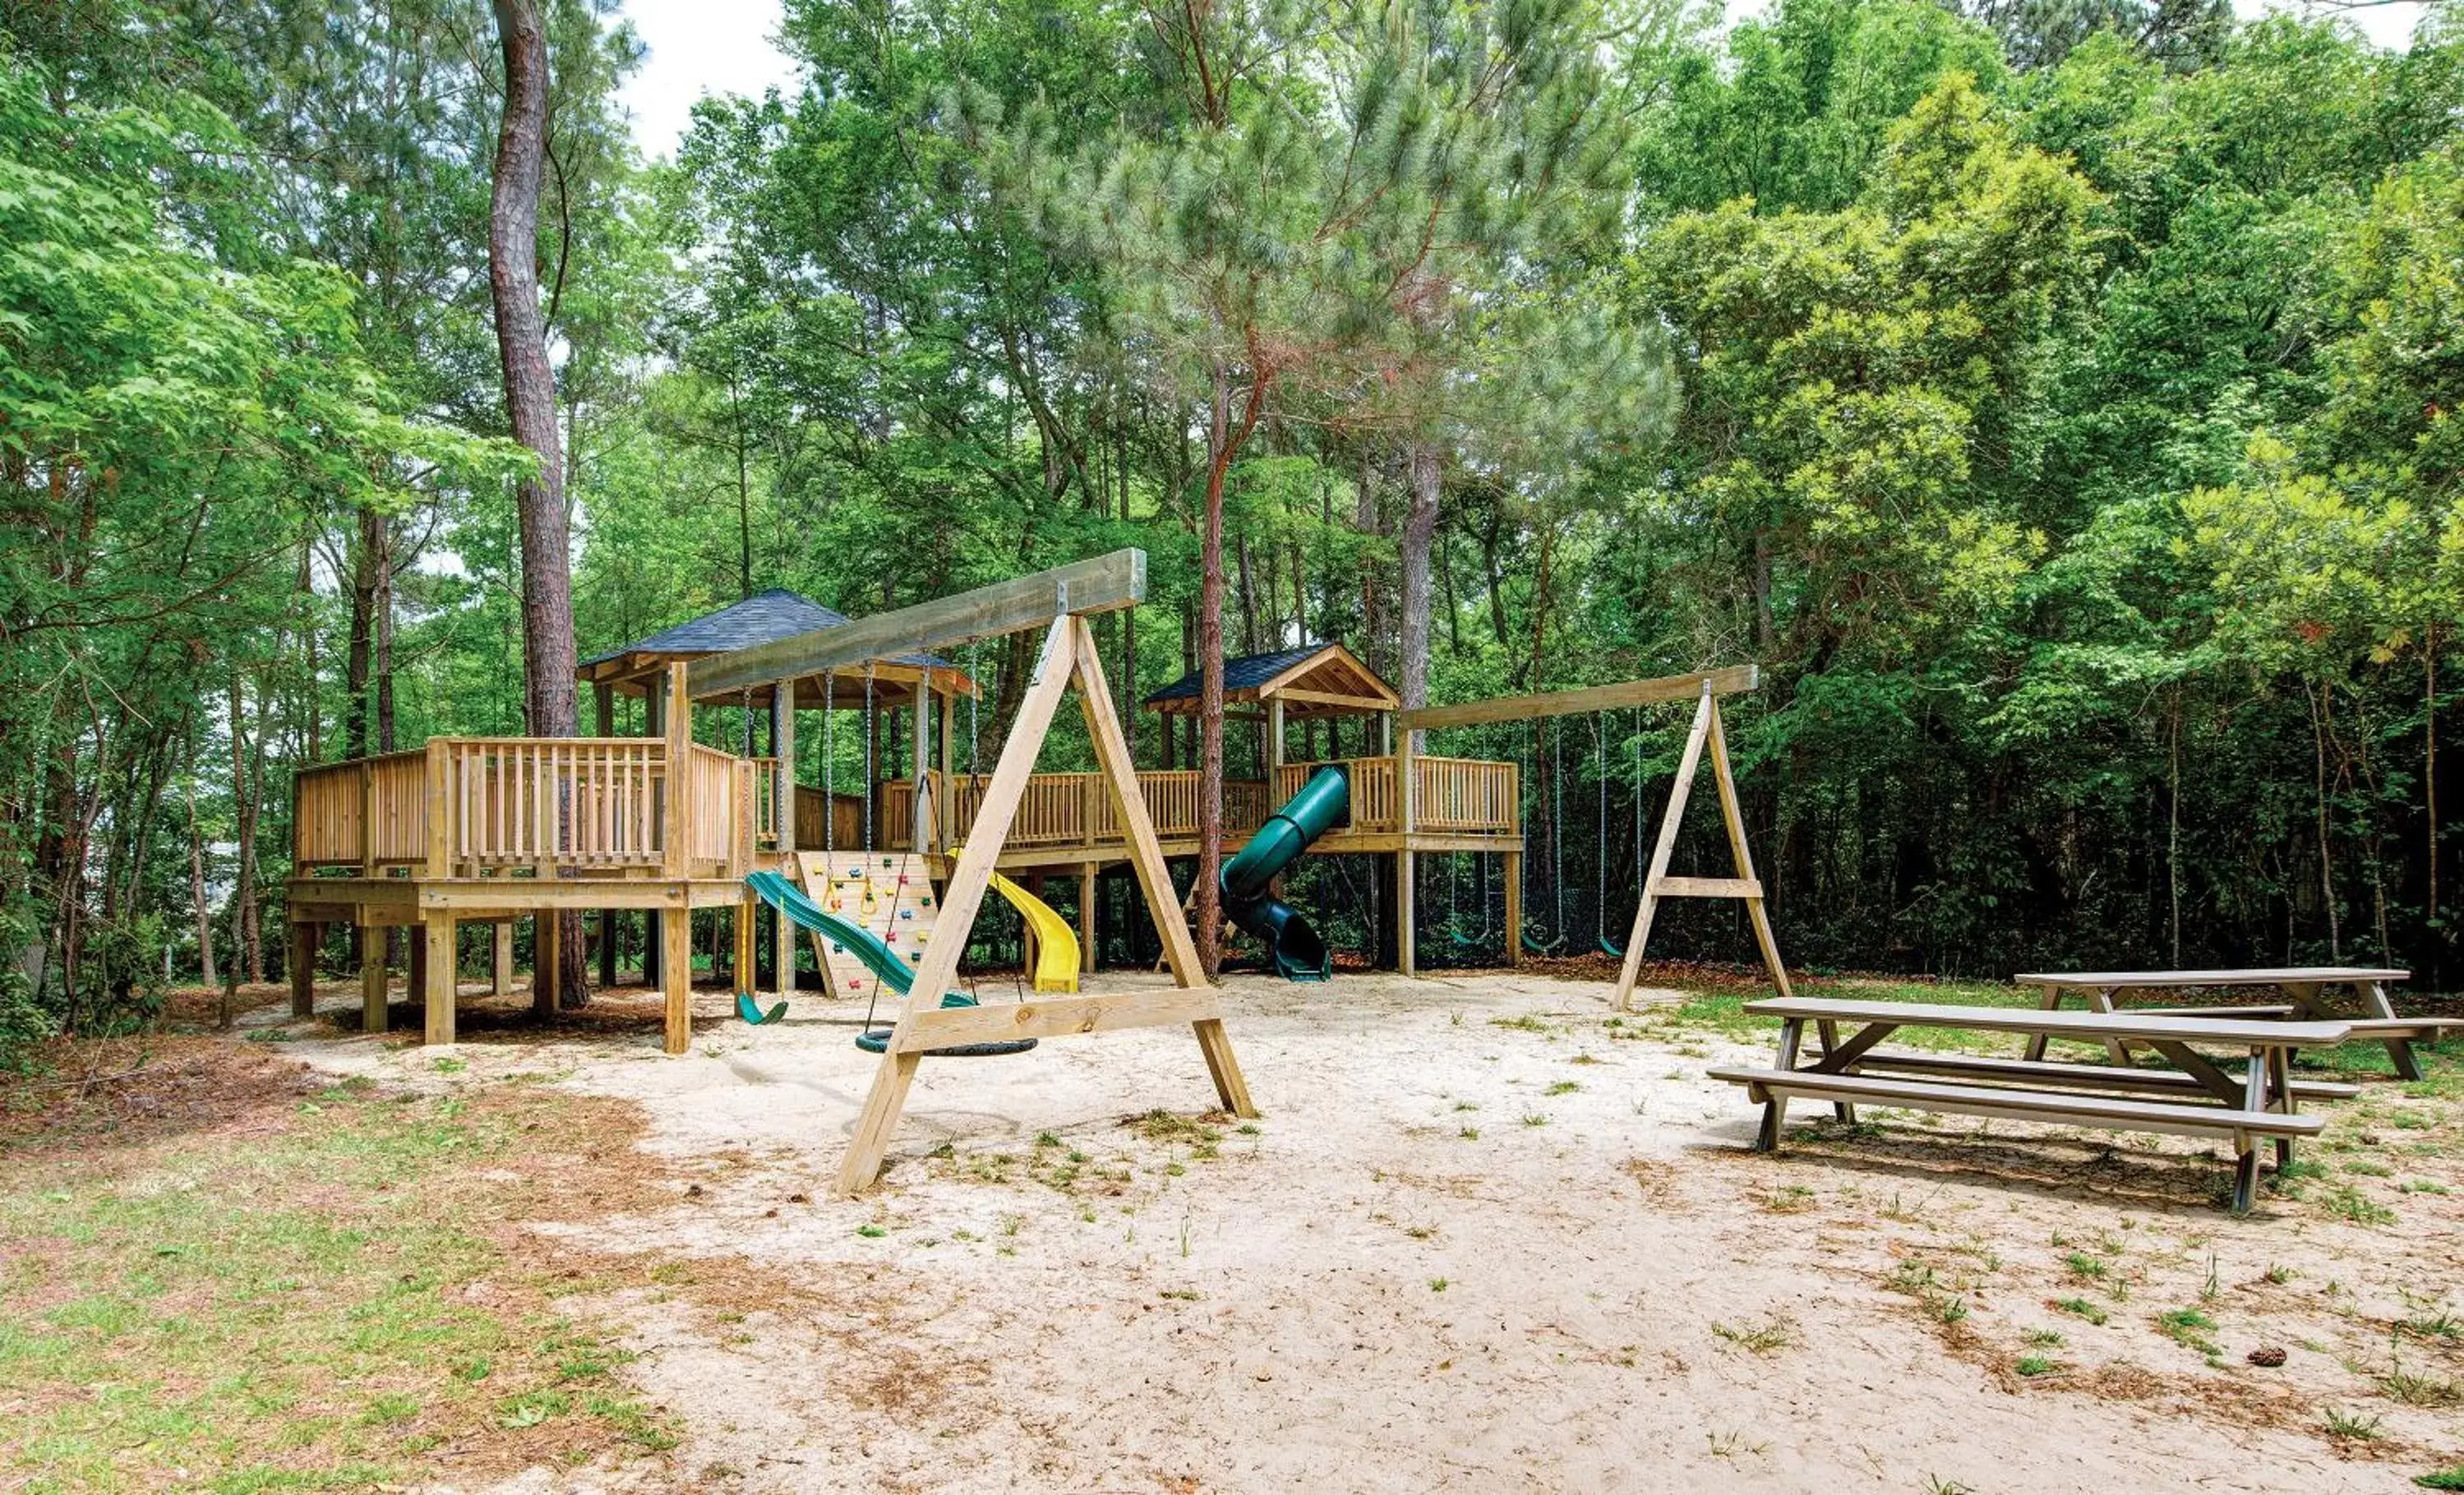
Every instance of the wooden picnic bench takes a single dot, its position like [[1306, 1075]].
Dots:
[[2302, 986], [2199, 1098]]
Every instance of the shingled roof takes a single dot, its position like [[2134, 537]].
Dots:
[[1322, 669], [761, 618]]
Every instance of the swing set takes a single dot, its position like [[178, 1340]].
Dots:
[[1705, 736], [927, 1025]]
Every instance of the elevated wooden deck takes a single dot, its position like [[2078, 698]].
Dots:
[[492, 829]]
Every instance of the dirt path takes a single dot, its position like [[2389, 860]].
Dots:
[[1480, 1240]]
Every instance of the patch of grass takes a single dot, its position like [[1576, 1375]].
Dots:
[[1792, 1198], [2188, 1328], [2346, 1202], [1561, 1087], [2439, 1325], [2342, 1424], [1534, 1119], [324, 1307], [2046, 1338], [2081, 1264], [2035, 1365], [1468, 1133], [2450, 1478], [2081, 1308], [2367, 1168], [870, 1231], [1437, 1285], [1776, 1332], [1522, 1023], [2415, 1390]]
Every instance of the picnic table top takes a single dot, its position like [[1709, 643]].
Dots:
[[2262, 976], [2143, 1026]]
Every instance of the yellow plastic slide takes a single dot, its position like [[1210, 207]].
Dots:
[[1056, 943]]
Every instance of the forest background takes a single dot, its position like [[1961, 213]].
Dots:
[[2053, 396]]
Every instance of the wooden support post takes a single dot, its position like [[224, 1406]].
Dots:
[[960, 902], [675, 836], [654, 718], [1086, 918], [604, 696], [367, 818], [947, 802], [303, 970], [1029, 947], [782, 745], [1406, 911], [1069, 652], [744, 921], [547, 957], [675, 975], [1274, 744], [372, 980], [1407, 958], [500, 961], [1154, 876], [436, 942], [417, 983], [1734, 816], [920, 768], [1513, 873], [440, 812]]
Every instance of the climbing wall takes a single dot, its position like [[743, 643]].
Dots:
[[888, 893]]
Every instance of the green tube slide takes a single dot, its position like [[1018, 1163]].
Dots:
[[1298, 953]]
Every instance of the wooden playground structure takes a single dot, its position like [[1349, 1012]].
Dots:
[[491, 830]]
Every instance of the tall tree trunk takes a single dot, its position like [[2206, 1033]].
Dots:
[[245, 923], [1249, 598], [530, 403], [1419, 531], [311, 712], [366, 559], [389, 739], [1365, 520], [197, 879], [1224, 435]]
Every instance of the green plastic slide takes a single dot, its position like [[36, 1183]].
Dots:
[[884, 962]]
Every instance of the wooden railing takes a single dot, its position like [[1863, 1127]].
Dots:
[[463, 806], [1372, 781], [466, 807], [1071, 809], [1467, 794], [547, 801], [335, 806], [1462, 796]]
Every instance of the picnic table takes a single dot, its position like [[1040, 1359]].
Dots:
[[2199, 1097], [2302, 986]]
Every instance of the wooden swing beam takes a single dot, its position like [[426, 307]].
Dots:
[[1703, 687], [1058, 599]]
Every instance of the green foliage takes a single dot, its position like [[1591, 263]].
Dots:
[[2056, 397]]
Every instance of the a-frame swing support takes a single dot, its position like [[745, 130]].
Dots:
[[1069, 658], [1705, 689], [1657, 883]]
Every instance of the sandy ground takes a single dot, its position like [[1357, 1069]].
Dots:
[[1480, 1239]]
